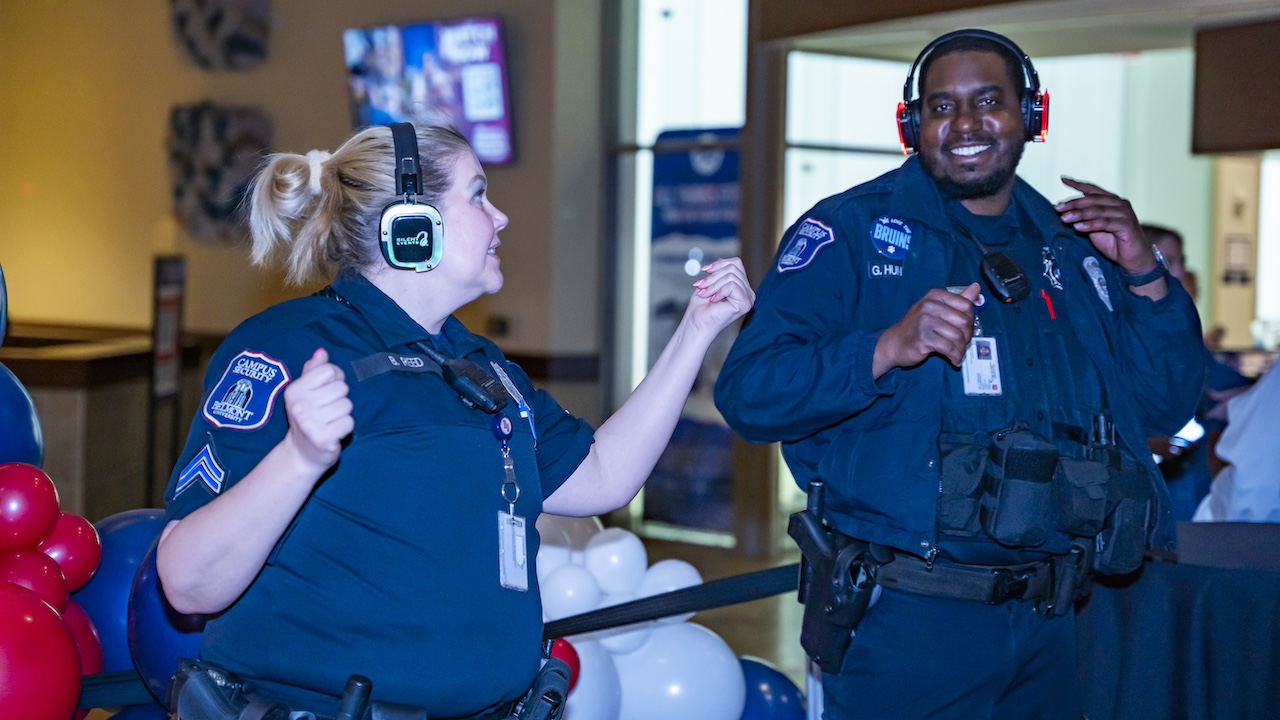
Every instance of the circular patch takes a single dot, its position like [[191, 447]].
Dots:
[[891, 237]]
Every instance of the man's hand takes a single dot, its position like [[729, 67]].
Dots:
[[1110, 224], [941, 322]]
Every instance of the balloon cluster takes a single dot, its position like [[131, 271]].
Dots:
[[667, 668], [47, 640]]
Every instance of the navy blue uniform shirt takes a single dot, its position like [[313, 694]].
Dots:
[[852, 266], [390, 570]]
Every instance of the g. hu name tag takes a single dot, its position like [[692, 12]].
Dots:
[[384, 362]]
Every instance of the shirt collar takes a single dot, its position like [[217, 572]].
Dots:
[[392, 324]]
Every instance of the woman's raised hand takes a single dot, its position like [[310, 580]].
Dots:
[[723, 295]]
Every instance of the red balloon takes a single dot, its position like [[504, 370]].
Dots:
[[36, 572], [88, 643], [74, 543], [38, 658], [563, 650], [28, 506]]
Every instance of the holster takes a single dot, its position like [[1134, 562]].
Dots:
[[837, 577], [1072, 578], [546, 699], [203, 691]]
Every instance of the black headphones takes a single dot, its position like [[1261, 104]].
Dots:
[[411, 233], [1035, 102]]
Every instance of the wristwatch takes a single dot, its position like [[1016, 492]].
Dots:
[[1146, 278]]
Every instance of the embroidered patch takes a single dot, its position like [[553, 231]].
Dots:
[[203, 468], [1051, 271], [804, 245], [243, 398], [1099, 281], [891, 237]]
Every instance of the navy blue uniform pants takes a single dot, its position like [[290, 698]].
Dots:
[[926, 657]]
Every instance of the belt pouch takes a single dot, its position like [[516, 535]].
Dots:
[[1123, 539], [1017, 498], [963, 466], [1080, 496]]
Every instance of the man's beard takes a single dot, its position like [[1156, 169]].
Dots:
[[977, 187]]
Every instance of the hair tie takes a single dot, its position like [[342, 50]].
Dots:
[[316, 159]]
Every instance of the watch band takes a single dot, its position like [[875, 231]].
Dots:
[[1152, 275]]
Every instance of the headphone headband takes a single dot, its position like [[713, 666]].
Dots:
[[1033, 100], [1031, 78], [406, 170]]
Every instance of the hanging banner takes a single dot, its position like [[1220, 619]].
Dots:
[[696, 208]]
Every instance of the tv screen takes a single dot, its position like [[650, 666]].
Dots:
[[405, 73]]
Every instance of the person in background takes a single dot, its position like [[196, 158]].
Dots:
[[1188, 464], [358, 493], [971, 372], [1248, 488]]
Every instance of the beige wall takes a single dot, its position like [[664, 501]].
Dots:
[[85, 93]]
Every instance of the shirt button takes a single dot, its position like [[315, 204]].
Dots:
[[1039, 416], [1030, 362], [930, 463]]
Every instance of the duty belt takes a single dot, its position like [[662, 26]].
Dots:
[[982, 583], [1054, 583]]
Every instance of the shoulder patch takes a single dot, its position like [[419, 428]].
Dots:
[[243, 398], [203, 468], [804, 245], [891, 237], [1099, 280]]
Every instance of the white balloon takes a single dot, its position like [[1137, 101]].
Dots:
[[627, 638], [684, 672], [598, 692], [567, 532], [569, 590], [550, 557], [666, 576], [618, 559]]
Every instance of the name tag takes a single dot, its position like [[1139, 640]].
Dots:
[[384, 362]]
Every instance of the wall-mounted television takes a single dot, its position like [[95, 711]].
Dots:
[[400, 73]]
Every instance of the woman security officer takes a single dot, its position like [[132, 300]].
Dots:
[[358, 492]]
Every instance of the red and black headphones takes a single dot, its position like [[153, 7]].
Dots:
[[1035, 102]]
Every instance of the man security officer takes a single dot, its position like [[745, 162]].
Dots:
[[969, 373]]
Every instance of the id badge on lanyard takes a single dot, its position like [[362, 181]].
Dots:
[[513, 550]]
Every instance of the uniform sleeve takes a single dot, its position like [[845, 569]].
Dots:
[[240, 419], [798, 365], [1162, 355], [563, 440]]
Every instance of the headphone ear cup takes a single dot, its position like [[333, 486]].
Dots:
[[1030, 123], [909, 126], [1038, 128], [411, 236]]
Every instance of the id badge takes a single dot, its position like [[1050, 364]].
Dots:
[[981, 367], [513, 565]]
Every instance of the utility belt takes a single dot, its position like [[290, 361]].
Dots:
[[838, 575], [204, 691]]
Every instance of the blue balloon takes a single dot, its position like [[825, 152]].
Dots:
[[770, 694], [125, 538], [21, 440], [158, 634], [150, 711]]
